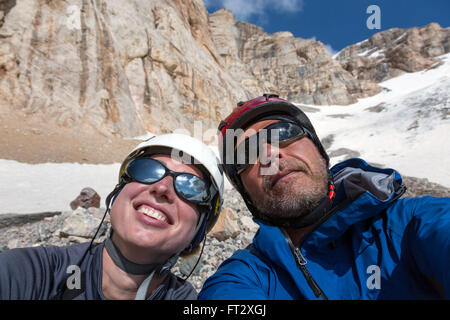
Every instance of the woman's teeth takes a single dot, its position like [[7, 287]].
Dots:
[[152, 213]]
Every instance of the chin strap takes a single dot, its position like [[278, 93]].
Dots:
[[125, 264], [138, 269]]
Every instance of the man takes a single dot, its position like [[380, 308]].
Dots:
[[339, 233], [162, 207]]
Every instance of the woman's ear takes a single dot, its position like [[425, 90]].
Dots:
[[113, 195]]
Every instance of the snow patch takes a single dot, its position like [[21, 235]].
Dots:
[[404, 127], [407, 131]]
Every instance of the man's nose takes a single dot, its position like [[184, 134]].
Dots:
[[269, 152], [269, 158]]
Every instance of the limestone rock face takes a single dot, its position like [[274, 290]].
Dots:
[[393, 52], [113, 66], [298, 69], [226, 226], [227, 36], [120, 68]]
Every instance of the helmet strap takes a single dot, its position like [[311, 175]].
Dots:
[[201, 225], [198, 259], [135, 268]]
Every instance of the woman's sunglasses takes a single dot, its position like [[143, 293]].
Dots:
[[283, 133], [188, 186]]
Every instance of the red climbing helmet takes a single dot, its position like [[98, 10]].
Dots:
[[267, 106]]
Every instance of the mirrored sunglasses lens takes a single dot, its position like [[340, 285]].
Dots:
[[191, 187], [282, 131], [146, 170]]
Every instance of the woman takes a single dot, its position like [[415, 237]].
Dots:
[[168, 197]]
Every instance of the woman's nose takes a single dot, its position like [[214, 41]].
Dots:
[[163, 189]]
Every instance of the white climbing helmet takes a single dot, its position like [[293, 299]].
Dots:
[[191, 151]]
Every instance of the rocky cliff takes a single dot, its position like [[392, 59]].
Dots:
[[396, 51], [115, 68], [298, 69]]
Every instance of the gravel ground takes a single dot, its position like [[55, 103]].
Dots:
[[47, 232]]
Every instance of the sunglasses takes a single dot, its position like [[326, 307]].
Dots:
[[283, 133], [187, 185]]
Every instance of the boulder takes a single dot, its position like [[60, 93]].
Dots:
[[87, 198], [81, 223], [248, 224], [187, 263], [226, 226]]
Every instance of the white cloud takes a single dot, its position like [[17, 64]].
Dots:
[[245, 10], [330, 49], [289, 5], [327, 46]]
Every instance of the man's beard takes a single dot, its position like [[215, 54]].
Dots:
[[289, 199]]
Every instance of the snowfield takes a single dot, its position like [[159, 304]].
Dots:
[[405, 127]]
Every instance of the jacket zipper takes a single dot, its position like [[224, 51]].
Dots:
[[301, 263], [300, 259]]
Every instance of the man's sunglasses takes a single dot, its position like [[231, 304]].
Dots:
[[248, 151], [188, 186]]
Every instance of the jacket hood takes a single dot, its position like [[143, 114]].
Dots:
[[362, 193]]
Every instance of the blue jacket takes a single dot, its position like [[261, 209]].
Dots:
[[373, 246]]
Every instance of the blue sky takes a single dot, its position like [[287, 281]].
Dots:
[[336, 23]]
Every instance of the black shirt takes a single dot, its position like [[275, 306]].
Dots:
[[40, 273]]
